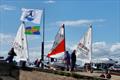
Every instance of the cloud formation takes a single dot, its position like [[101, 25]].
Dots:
[[7, 7], [79, 22], [49, 2], [100, 49], [5, 39], [115, 47]]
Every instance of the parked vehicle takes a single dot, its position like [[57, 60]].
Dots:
[[115, 67]]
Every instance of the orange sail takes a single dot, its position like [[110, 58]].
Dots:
[[58, 45]]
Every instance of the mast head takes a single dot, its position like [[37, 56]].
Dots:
[[23, 22], [90, 25], [63, 25]]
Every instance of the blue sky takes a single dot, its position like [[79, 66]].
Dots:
[[104, 15]]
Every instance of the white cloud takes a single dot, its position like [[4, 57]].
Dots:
[[100, 49], [33, 37], [79, 22], [73, 47], [6, 39], [115, 47], [51, 41], [48, 46], [4, 54], [5, 42], [49, 2], [7, 7], [103, 49], [35, 52], [33, 55]]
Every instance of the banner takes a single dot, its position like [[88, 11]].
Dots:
[[31, 15]]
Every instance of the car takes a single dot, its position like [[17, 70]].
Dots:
[[115, 67]]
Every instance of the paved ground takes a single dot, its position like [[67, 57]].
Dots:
[[35, 75], [114, 77], [6, 78]]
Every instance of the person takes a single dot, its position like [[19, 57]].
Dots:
[[51, 64], [52, 59], [35, 61], [73, 60], [89, 68], [105, 68], [11, 55], [102, 75], [38, 63], [67, 60], [107, 75]]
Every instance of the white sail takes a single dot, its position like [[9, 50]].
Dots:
[[20, 44], [84, 48]]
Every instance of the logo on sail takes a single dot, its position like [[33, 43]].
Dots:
[[83, 48]]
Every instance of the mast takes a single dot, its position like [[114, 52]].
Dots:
[[23, 40], [42, 50], [91, 43], [26, 43], [64, 37]]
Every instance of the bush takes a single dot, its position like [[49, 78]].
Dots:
[[76, 75], [55, 72], [67, 74], [61, 73]]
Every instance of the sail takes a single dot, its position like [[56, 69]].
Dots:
[[58, 47], [84, 48], [20, 44]]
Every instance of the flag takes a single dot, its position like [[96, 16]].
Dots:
[[31, 15], [58, 47], [32, 30], [84, 47]]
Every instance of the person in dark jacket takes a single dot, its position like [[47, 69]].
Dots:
[[67, 60], [11, 55], [36, 61], [73, 60]]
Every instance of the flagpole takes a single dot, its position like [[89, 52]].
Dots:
[[42, 50]]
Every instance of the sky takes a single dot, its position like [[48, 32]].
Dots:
[[104, 15]]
